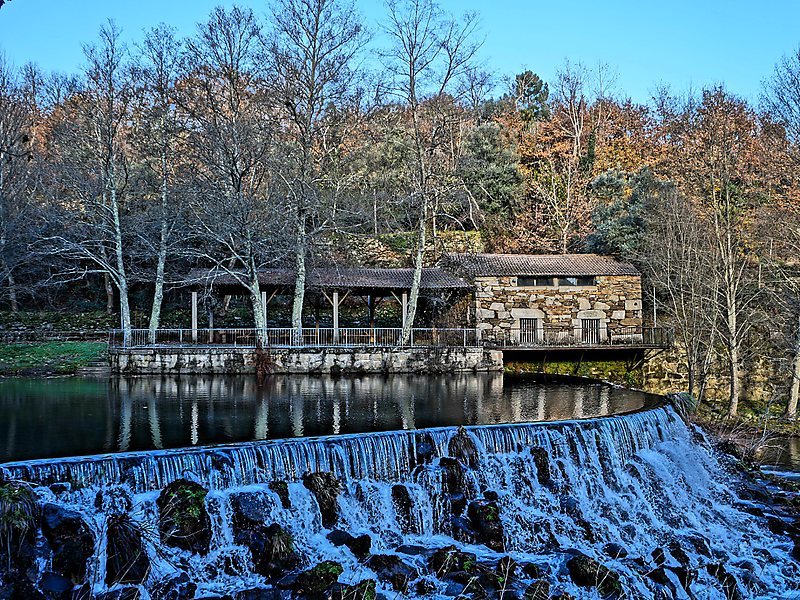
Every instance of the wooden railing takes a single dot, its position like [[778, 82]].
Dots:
[[286, 337]]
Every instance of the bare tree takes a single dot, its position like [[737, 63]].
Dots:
[[428, 54], [16, 139], [160, 126], [90, 171], [232, 142], [311, 48]]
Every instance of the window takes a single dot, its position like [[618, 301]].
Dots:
[[576, 281], [536, 281]]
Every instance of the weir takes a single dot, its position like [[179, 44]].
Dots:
[[639, 493]]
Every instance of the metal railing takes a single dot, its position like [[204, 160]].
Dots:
[[287, 337], [549, 336]]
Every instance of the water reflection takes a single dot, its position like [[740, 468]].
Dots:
[[781, 453], [65, 417]]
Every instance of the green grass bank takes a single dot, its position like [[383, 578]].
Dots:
[[48, 358]]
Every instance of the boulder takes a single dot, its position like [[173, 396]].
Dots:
[[359, 545], [450, 560], [587, 572], [538, 590], [729, 583], [363, 590], [183, 520], [326, 488], [403, 507], [70, 539], [463, 447], [615, 551], [114, 500], [485, 519], [55, 587], [505, 572], [179, 587], [19, 518], [317, 579], [127, 560], [391, 569], [281, 488], [541, 458], [271, 549], [424, 448]]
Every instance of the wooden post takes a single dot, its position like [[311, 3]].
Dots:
[[335, 317], [194, 317]]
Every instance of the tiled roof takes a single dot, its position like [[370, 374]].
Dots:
[[571, 265], [344, 277]]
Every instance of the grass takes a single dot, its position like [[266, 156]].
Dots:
[[61, 358]]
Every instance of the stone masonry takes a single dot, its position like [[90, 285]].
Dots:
[[616, 300]]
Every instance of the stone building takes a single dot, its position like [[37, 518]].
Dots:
[[531, 300]]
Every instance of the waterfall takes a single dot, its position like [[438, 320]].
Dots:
[[643, 482]]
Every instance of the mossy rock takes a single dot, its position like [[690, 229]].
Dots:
[[326, 488], [281, 488], [463, 447], [127, 560], [587, 572], [319, 578], [183, 519], [19, 517]]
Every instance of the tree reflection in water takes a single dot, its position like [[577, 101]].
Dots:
[[65, 417]]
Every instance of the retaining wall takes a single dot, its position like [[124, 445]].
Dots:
[[332, 360]]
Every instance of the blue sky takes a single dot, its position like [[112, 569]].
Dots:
[[686, 44]]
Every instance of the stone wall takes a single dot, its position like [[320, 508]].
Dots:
[[323, 361], [500, 304]]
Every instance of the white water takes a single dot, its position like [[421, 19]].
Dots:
[[640, 480]]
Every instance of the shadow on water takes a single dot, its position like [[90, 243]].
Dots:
[[48, 418]]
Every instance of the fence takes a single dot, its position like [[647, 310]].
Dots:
[[291, 338], [548, 336]]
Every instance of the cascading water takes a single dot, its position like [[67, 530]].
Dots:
[[640, 494]]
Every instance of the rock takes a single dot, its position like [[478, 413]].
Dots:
[[183, 519], [70, 539], [462, 447], [249, 509], [730, 586], [449, 560], [403, 507], [179, 587], [19, 518], [587, 572], [55, 586], [615, 550], [393, 570], [315, 580], [424, 587], [532, 570], [281, 488], [271, 548], [424, 448], [562, 596], [538, 590], [505, 571], [412, 549], [126, 593], [485, 518], [127, 560], [113, 501], [262, 594], [326, 488], [358, 545], [363, 590], [541, 459]]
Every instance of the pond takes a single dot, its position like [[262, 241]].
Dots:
[[58, 417]]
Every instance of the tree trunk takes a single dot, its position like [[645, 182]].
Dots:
[[122, 278], [109, 287], [12, 292], [300, 277], [258, 306], [416, 281], [794, 392], [158, 294]]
